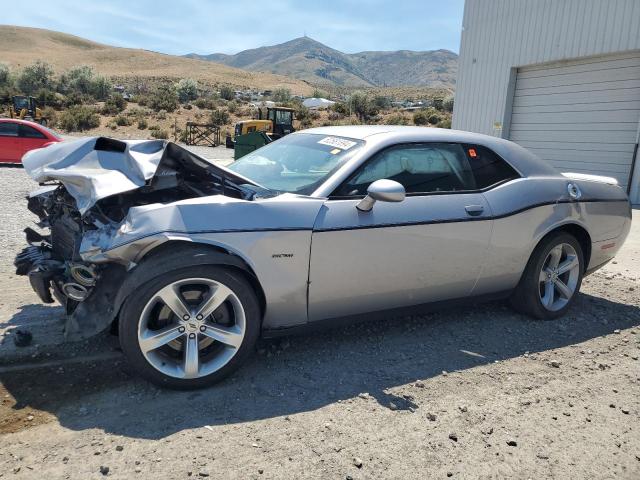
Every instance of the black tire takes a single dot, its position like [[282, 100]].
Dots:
[[526, 298], [131, 312]]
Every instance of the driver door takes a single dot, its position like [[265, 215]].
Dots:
[[427, 248]]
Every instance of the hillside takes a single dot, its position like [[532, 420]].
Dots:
[[310, 60], [21, 46]]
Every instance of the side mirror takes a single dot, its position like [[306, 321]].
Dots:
[[383, 191]]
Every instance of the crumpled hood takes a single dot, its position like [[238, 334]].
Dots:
[[96, 167]]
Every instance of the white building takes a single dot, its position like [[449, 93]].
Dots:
[[560, 77], [317, 103]]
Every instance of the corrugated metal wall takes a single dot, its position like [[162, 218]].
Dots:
[[500, 35]]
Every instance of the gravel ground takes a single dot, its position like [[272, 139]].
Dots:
[[476, 392]]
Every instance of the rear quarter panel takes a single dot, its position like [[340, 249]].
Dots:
[[527, 209]]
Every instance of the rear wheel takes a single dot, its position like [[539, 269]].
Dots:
[[551, 279], [191, 327]]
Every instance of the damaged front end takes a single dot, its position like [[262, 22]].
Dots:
[[88, 188]]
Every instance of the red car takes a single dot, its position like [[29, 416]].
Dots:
[[17, 137]]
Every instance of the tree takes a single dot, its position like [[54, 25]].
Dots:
[[36, 77], [281, 95], [187, 90], [227, 93], [79, 79], [382, 102], [363, 106], [319, 94]]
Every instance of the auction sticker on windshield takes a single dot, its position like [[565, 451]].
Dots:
[[338, 142]]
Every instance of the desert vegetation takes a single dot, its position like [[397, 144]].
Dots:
[[81, 100]]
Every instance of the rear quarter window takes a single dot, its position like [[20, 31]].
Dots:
[[8, 129], [29, 132], [488, 168]]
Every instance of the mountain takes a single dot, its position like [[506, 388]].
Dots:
[[21, 46], [312, 61]]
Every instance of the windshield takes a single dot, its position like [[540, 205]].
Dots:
[[21, 103], [297, 163]]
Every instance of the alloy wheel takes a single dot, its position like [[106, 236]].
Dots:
[[558, 278], [191, 328]]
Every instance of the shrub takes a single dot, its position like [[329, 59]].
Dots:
[[434, 118], [187, 89], [445, 123], [73, 99], [101, 88], [302, 114], [421, 117], [35, 77], [137, 112], [157, 132], [50, 115], [142, 124], [122, 121], [164, 97], [142, 100], [114, 105], [112, 124], [227, 92], [232, 106], [161, 115], [205, 103], [340, 108], [219, 117], [333, 116], [48, 97], [79, 118], [397, 119], [438, 103]]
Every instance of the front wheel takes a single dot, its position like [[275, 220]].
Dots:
[[551, 279], [191, 327]]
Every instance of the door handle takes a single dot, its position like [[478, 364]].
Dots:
[[474, 210]]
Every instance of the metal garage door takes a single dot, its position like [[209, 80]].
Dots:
[[581, 116]]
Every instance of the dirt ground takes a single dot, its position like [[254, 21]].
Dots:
[[473, 392]]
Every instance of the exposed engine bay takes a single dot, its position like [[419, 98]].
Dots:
[[70, 211]]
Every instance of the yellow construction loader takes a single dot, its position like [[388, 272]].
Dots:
[[26, 108], [252, 134]]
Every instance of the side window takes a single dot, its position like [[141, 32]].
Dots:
[[420, 168], [29, 132], [8, 129], [488, 168]]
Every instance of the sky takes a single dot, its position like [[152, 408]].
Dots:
[[211, 26]]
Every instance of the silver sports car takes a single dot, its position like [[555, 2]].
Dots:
[[192, 262]]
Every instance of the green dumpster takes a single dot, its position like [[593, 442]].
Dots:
[[249, 142]]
